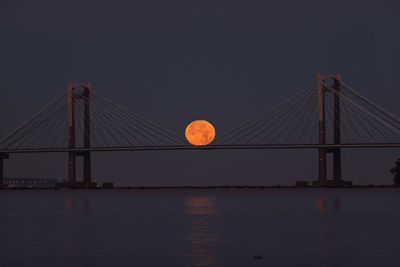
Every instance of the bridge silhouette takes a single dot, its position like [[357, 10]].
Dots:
[[328, 115]]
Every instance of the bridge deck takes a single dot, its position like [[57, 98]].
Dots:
[[209, 147]]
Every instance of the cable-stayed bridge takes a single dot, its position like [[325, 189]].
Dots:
[[328, 115]]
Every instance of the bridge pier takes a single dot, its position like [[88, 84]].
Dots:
[[321, 129], [71, 136], [72, 96], [3, 156], [87, 171], [336, 151]]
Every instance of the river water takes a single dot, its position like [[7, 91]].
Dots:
[[199, 227]]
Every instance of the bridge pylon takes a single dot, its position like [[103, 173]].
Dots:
[[323, 87], [76, 92]]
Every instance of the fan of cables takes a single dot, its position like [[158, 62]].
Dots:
[[110, 125], [295, 121]]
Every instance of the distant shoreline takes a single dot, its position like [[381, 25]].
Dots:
[[213, 187]]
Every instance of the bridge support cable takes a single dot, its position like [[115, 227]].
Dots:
[[152, 128], [327, 116], [268, 125], [373, 125], [378, 108], [295, 121], [333, 116], [108, 125], [124, 128], [140, 134], [35, 123]]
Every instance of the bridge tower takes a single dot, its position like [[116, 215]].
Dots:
[[323, 87], [75, 93]]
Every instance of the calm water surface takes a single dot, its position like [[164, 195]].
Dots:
[[286, 227]]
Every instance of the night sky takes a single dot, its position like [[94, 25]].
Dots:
[[177, 61]]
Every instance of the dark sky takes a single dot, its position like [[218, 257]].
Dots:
[[176, 61]]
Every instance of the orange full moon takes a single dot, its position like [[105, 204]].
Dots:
[[200, 133]]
